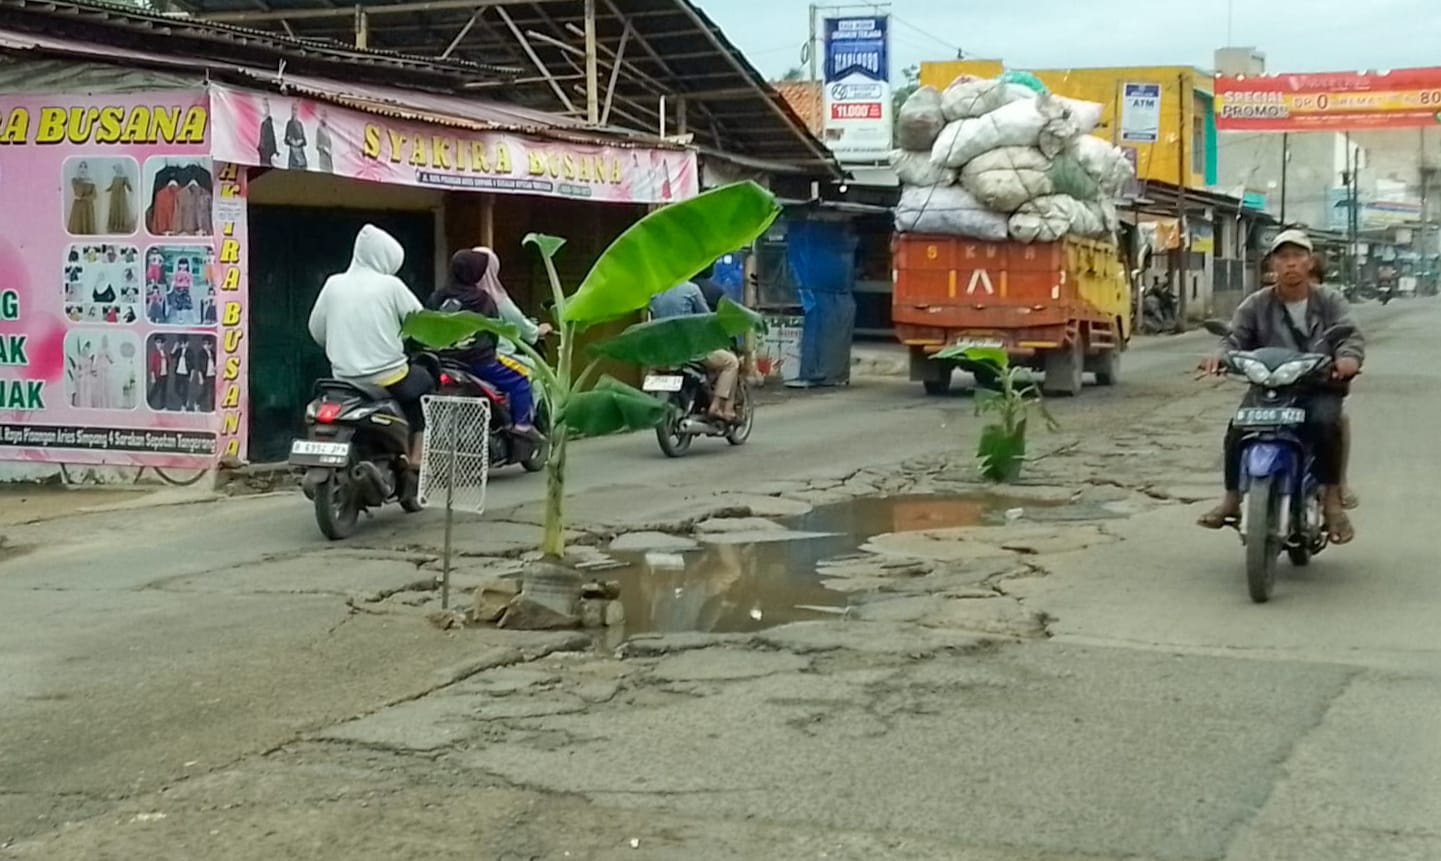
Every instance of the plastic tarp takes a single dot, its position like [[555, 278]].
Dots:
[[916, 168], [830, 322], [948, 211], [1042, 123], [920, 120]]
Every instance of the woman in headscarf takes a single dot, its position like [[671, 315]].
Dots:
[[466, 292], [507, 353]]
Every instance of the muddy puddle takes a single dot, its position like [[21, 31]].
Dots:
[[727, 585]]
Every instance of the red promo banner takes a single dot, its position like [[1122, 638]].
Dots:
[[1331, 101]]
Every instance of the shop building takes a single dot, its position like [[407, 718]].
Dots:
[[186, 196]]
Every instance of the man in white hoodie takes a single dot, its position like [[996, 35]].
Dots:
[[357, 319]]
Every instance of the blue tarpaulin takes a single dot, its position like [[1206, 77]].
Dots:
[[821, 256]]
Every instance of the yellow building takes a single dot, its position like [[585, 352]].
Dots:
[[1187, 135]]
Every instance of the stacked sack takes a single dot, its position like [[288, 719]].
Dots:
[[1003, 158]]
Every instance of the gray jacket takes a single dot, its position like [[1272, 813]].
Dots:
[[1260, 321]]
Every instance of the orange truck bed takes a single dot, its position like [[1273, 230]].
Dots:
[[1062, 307]]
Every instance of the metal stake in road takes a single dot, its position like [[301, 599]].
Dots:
[[457, 456]]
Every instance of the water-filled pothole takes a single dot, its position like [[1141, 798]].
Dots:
[[744, 585]]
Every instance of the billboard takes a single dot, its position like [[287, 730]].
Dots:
[[121, 283], [1370, 214], [1339, 101], [858, 105]]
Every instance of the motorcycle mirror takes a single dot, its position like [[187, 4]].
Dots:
[[1217, 328]]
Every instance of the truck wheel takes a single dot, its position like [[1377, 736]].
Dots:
[[1106, 367], [1064, 367], [940, 386]]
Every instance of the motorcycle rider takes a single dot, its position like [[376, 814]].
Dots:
[[687, 298], [357, 319], [1294, 314]]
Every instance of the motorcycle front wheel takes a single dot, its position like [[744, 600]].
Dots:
[[337, 508], [1263, 539]]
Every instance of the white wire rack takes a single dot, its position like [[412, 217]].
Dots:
[[457, 452]]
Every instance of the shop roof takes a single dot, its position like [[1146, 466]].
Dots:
[[656, 52]]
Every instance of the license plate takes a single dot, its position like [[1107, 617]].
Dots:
[[661, 383], [309, 452], [1250, 417], [978, 343]]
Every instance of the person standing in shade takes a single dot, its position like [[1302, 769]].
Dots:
[[295, 139]]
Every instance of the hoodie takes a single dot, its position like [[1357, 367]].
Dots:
[[359, 312]]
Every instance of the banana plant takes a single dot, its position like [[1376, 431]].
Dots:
[[1014, 396], [667, 247]]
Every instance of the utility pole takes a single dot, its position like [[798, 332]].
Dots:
[[1285, 165], [1183, 179], [811, 51], [1353, 168], [592, 71]]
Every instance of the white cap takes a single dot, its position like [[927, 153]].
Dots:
[[1292, 237]]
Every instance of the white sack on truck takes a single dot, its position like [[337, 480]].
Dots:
[[967, 97], [1040, 123], [916, 168], [1005, 178], [920, 120], [1046, 219], [1086, 114], [948, 211], [1107, 164]]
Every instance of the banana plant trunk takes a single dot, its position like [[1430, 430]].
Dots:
[[553, 540]]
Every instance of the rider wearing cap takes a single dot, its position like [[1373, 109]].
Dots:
[[1295, 314]]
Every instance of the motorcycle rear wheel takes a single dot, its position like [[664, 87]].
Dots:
[[1263, 541], [337, 508], [673, 441], [741, 431]]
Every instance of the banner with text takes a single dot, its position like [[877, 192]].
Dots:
[[1339, 101], [300, 134], [111, 281], [858, 105]]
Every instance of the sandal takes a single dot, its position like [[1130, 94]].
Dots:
[[1339, 529], [1219, 518], [1349, 500]]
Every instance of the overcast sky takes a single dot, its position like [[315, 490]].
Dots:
[[1296, 35]]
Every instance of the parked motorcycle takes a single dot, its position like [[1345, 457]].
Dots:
[[506, 446], [1386, 293], [1282, 499], [355, 455], [688, 392], [1158, 310]]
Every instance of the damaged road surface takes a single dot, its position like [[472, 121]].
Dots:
[[1071, 672]]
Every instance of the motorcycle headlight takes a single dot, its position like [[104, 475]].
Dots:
[[1255, 371], [1292, 371]]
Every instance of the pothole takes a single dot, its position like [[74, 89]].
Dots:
[[736, 582]]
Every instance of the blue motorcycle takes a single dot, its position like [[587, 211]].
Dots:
[[1281, 509]]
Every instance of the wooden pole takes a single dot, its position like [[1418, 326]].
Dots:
[[592, 68]]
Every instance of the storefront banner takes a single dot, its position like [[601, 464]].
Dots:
[[263, 130], [1341, 101], [110, 287]]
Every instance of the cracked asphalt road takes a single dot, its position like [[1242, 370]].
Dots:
[[1088, 683]]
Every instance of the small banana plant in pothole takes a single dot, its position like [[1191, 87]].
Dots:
[[1011, 400]]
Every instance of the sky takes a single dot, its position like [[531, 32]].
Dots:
[[1295, 35]]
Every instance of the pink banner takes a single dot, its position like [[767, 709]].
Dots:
[[112, 289], [299, 134]]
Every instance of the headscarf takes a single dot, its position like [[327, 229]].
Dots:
[[468, 269], [490, 281]]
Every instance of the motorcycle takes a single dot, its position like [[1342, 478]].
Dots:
[[1386, 293], [1158, 310], [506, 446], [688, 392], [355, 455], [1281, 509]]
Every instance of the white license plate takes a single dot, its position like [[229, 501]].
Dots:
[[975, 343], [661, 383], [1250, 417], [312, 448]]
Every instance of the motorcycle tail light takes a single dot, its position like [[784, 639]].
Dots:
[[327, 413], [445, 379]]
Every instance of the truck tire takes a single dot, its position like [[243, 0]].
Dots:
[[941, 386], [1064, 367], [1106, 366]]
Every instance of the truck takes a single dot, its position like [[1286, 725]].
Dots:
[[1059, 307]]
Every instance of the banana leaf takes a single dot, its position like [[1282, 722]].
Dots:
[[673, 341], [987, 355], [546, 244], [1002, 453], [443, 329], [669, 246], [611, 407]]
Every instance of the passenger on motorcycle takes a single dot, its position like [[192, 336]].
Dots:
[[687, 298], [1294, 314], [464, 291], [506, 353], [357, 319]]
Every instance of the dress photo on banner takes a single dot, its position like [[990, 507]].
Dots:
[[181, 196], [100, 195], [102, 283], [102, 370], [180, 373], [180, 285]]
